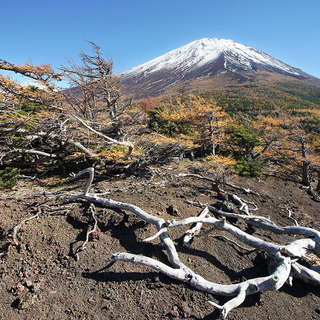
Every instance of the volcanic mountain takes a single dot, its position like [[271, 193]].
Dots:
[[207, 64]]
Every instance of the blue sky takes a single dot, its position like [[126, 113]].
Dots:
[[131, 32]]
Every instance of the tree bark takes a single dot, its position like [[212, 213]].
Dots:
[[305, 173]]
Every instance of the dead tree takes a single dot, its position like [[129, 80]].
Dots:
[[283, 257], [94, 89], [36, 123]]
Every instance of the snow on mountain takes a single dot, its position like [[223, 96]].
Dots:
[[207, 57], [201, 52]]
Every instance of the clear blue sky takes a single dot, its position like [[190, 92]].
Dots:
[[131, 32]]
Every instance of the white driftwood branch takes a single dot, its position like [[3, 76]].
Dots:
[[81, 147], [230, 214], [89, 181], [229, 240], [245, 190], [158, 222], [308, 275], [233, 303], [15, 229], [190, 234], [35, 152], [192, 175], [122, 143], [264, 223], [292, 218], [297, 248], [272, 282], [284, 257], [61, 139], [224, 225]]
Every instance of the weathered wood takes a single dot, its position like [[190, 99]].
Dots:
[[284, 257]]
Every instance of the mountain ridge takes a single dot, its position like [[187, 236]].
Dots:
[[205, 58]]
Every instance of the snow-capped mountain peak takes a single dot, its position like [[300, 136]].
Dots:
[[207, 57]]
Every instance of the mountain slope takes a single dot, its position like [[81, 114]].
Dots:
[[206, 58]]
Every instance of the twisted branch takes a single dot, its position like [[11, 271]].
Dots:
[[284, 257]]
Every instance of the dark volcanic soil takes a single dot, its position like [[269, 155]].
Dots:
[[41, 279]]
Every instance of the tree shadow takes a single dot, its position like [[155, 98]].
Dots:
[[128, 240], [300, 289], [78, 224], [111, 276], [258, 269]]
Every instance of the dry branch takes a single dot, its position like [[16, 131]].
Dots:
[[245, 190], [15, 229], [113, 141], [83, 245], [191, 233], [230, 214], [283, 257]]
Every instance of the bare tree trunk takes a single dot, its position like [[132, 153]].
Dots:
[[212, 136], [318, 185], [305, 173]]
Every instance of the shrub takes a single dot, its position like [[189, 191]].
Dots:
[[243, 139], [9, 177], [31, 107], [247, 167]]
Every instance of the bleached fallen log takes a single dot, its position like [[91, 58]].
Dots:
[[235, 231], [61, 139], [158, 222], [294, 249], [308, 275], [245, 190], [34, 152], [272, 282], [190, 233], [284, 257], [230, 214], [264, 222]]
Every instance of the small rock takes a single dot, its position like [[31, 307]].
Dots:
[[36, 287], [174, 313], [186, 309], [172, 210], [28, 284], [29, 247], [28, 300], [108, 307], [18, 289], [107, 295]]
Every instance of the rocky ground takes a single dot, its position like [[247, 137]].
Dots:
[[42, 279]]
